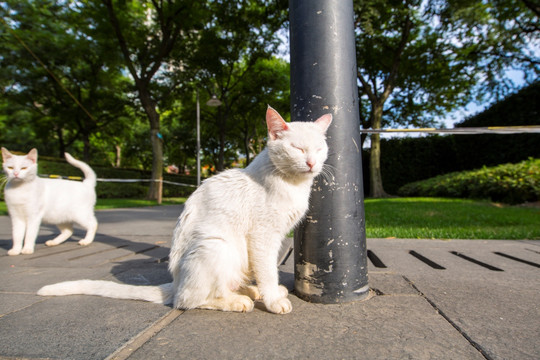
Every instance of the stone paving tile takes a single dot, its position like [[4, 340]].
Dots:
[[465, 311]]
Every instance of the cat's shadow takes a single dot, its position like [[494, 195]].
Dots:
[[155, 272], [145, 272], [46, 232]]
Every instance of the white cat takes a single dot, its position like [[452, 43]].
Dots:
[[232, 227], [32, 200]]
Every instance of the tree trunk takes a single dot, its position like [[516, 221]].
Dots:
[[157, 164], [375, 177], [156, 141], [118, 161]]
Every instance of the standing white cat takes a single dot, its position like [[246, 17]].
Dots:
[[32, 200], [232, 228]]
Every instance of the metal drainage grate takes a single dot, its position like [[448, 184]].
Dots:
[[378, 263], [427, 261], [375, 260], [477, 262], [517, 259]]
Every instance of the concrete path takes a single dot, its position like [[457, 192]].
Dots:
[[432, 299]]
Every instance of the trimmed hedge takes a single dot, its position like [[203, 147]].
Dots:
[[404, 160], [508, 183]]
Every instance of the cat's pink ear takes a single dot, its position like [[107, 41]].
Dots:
[[6, 154], [324, 122], [275, 123], [32, 155]]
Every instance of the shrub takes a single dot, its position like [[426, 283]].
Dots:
[[508, 183]]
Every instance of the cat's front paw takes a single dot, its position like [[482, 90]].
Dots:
[[280, 306], [14, 252], [283, 291]]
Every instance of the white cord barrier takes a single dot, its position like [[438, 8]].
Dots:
[[462, 131], [117, 180]]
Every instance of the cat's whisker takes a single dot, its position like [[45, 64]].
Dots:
[[327, 173]]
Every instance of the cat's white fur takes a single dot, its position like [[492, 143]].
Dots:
[[232, 228], [32, 200]]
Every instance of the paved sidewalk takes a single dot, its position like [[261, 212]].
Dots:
[[432, 299]]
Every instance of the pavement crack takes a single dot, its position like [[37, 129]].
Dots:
[[130, 347], [473, 343]]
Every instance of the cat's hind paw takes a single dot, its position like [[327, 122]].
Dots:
[[85, 242], [13, 252], [236, 303], [280, 306], [252, 291], [27, 251], [242, 304]]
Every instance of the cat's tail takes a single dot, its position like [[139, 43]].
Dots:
[[89, 174], [161, 294]]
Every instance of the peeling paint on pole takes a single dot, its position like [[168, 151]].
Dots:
[[330, 245]]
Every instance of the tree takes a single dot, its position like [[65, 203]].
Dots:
[[154, 38], [267, 83], [240, 35], [268, 86], [59, 75], [500, 34], [412, 68]]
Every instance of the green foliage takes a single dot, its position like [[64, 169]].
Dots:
[[519, 108], [405, 160], [75, 90], [509, 183], [497, 35], [418, 60], [129, 203], [132, 64]]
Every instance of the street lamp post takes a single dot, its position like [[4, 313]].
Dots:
[[198, 141], [213, 102]]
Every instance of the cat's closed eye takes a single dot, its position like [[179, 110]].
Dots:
[[298, 148]]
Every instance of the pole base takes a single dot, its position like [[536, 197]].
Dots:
[[310, 292]]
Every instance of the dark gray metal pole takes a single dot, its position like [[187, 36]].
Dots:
[[330, 246]]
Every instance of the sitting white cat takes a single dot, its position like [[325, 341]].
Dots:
[[232, 228], [32, 200]]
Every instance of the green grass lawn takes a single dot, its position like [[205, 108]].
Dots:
[[438, 218], [119, 203], [424, 218], [127, 203]]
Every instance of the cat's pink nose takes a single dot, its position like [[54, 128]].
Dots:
[[310, 163]]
